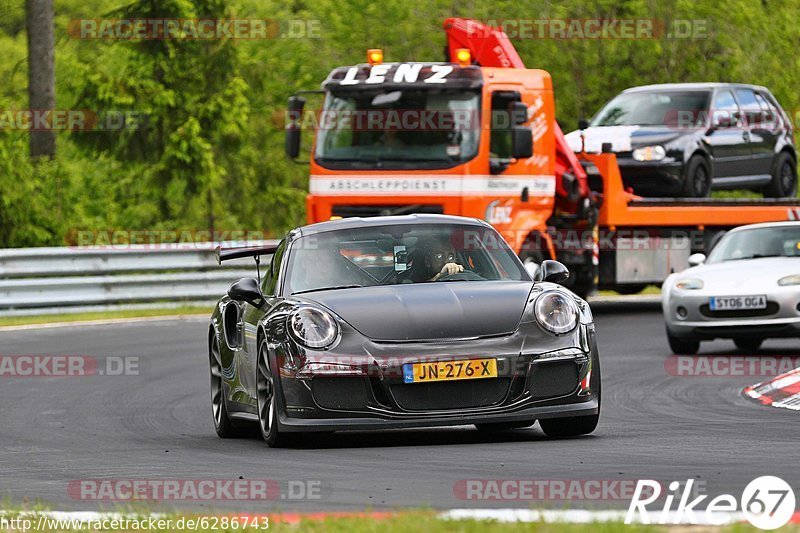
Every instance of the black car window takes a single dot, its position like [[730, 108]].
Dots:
[[749, 105], [726, 110], [270, 274], [770, 115]]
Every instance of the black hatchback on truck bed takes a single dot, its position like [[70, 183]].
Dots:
[[684, 139]]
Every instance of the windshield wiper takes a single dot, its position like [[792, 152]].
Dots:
[[334, 288]]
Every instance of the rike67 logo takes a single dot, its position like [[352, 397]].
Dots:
[[767, 502]]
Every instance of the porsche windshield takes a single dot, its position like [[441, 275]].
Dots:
[[398, 128], [390, 255], [776, 241]]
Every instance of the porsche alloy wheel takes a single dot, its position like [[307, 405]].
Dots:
[[222, 423], [267, 400]]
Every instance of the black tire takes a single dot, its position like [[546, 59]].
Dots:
[[569, 427], [683, 346], [784, 178], [503, 426], [630, 289], [748, 344], [577, 425], [698, 176], [222, 423], [267, 396]]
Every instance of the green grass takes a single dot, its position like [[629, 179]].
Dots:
[[407, 522], [410, 522], [104, 315]]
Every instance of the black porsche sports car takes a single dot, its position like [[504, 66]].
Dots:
[[395, 322]]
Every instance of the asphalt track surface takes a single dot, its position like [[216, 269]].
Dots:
[[157, 425]]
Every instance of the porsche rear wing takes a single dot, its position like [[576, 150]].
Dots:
[[226, 254]]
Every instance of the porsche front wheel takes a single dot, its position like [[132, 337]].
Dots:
[[222, 423], [569, 427], [267, 401]]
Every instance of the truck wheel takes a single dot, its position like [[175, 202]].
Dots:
[[683, 346], [698, 178], [784, 178], [631, 288]]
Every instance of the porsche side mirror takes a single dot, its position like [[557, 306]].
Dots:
[[583, 124], [553, 271], [246, 290], [697, 259]]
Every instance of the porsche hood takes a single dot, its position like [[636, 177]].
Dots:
[[442, 310]]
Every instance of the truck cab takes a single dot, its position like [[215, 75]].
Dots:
[[449, 138]]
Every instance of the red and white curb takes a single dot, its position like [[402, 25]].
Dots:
[[782, 391]]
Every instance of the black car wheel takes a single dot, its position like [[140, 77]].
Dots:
[[574, 426], [222, 423], [267, 400], [698, 178], [683, 346], [784, 178], [748, 345]]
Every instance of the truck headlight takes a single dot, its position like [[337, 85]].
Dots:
[[313, 328], [689, 284], [556, 312], [650, 153], [794, 279]]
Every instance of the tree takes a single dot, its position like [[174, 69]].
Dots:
[[41, 72]]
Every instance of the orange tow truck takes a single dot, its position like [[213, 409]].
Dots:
[[476, 136]]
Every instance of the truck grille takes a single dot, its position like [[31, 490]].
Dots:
[[451, 394], [365, 211]]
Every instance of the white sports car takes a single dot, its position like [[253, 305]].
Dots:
[[748, 289]]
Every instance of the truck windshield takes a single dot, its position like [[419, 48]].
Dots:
[[398, 128], [655, 108]]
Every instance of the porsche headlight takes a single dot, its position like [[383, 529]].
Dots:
[[650, 153], [689, 284], [313, 328], [556, 312], [794, 279]]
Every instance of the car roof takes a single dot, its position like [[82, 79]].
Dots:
[[694, 86], [767, 225], [369, 222]]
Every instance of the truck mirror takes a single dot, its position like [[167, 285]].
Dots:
[[521, 141], [519, 113], [294, 125]]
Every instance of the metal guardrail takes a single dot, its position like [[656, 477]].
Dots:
[[52, 280]]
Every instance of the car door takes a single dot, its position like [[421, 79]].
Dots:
[[761, 139], [248, 356], [770, 128], [727, 140]]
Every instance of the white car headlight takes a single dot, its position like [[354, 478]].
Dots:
[[556, 312], [794, 279], [689, 284], [313, 328], [650, 153]]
